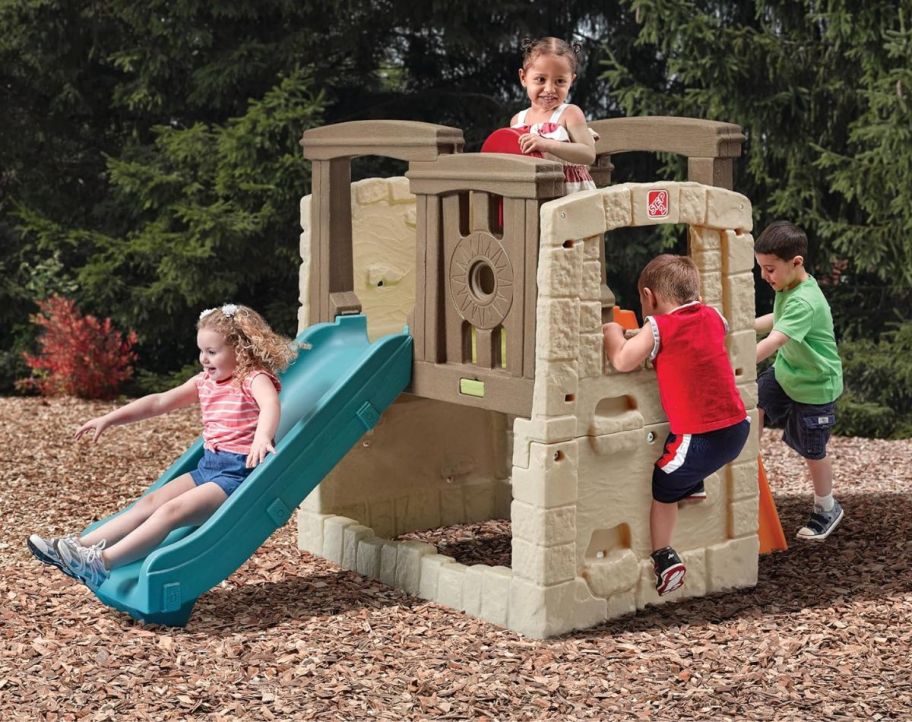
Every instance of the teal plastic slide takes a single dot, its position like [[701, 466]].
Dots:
[[330, 397]]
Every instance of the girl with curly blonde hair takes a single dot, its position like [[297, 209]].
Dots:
[[256, 345], [238, 394]]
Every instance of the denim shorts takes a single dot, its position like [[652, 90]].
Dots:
[[806, 427], [688, 459], [223, 468]]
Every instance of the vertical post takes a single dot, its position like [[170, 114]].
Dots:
[[450, 237], [332, 279], [419, 320], [480, 212], [434, 343], [319, 211], [484, 347], [531, 287], [606, 296], [519, 250], [341, 268], [711, 172]]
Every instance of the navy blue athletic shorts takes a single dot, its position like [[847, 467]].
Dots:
[[688, 459]]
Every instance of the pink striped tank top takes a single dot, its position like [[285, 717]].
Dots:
[[230, 413]]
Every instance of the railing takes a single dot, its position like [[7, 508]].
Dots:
[[708, 145], [474, 320], [331, 148]]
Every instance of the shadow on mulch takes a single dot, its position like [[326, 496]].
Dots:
[[488, 542], [864, 559], [263, 605]]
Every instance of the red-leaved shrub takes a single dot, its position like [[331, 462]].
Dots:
[[80, 355]]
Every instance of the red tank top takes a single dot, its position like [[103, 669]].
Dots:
[[696, 381]]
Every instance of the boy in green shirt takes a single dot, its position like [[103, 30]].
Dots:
[[801, 387]]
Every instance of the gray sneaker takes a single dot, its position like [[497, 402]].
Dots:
[[821, 523], [71, 542], [84, 563], [45, 550]]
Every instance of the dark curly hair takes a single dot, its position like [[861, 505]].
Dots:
[[550, 46]]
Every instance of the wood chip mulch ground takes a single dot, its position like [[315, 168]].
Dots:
[[826, 633]]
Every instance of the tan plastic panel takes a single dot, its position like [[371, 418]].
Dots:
[[689, 137], [513, 176], [403, 140], [708, 145]]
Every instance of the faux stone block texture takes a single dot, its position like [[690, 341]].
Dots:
[[579, 468]]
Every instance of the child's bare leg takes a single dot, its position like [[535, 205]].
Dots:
[[827, 512], [191, 508], [662, 520], [822, 475], [121, 525]]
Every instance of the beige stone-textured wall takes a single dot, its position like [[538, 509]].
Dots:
[[581, 465], [383, 250], [427, 463]]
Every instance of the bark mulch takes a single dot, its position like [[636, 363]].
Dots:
[[824, 635]]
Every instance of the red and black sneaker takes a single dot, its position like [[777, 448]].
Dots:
[[669, 570]]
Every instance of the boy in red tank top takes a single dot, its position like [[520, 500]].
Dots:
[[685, 340]]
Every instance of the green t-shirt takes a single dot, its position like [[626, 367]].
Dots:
[[807, 367]]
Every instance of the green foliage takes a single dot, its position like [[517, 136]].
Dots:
[[12, 367], [863, 308], [878, 379], [873, 172], [149, 156], [25, 274], [864, 418], [55, 89], [821, 92], [148, 382], [208, 216]]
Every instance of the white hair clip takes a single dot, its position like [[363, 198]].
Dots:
[[228, 311]]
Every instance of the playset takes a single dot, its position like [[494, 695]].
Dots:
[[457, 374], [512, 411]]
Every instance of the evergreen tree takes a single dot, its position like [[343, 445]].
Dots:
[[127, 169], [872, 176], [205, 215], [815, 88]]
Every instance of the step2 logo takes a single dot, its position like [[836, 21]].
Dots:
[[657, 204]]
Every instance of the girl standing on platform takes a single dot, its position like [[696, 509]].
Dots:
[[553, 127]]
